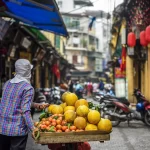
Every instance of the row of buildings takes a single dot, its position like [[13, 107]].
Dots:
[[85, 49], [68, 48], [130, 32]]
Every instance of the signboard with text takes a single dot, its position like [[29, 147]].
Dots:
[[119, 73], [120, 87]]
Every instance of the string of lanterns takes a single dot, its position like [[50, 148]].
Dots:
[[139, 16], [144, 38]]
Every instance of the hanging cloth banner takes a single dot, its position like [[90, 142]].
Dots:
[[55, 70], [91, 23], [123, 59]]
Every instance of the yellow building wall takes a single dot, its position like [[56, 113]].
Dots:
[[146, 77], [130, 78], [50, 36]]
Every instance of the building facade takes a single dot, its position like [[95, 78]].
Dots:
[[83, 47]]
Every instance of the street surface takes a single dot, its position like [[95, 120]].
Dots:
[[134, 137]]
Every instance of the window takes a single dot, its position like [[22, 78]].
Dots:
[[74, 59], [75, 45], [57, 41], [59, 4]]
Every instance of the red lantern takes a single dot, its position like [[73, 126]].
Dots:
[[143, 41], [131, 39], [148, 34]]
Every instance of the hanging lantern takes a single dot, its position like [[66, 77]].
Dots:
[[148, 34], [143, 40], [131, 39]]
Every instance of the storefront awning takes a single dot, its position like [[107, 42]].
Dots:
[[41, 14]]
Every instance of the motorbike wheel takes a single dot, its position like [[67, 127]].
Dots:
[[114, 120], [147, 118]]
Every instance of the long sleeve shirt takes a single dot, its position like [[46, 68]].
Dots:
[[15, 117]]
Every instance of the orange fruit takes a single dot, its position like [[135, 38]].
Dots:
[[105, 125], [63, 97], [94, 117], [71, 99], [80, 123], [69, 108], [70, 115], [57, 109], [91, 127], [81, 102], [82, 111]]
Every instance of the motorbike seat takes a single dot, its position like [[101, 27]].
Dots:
[[122, 100]]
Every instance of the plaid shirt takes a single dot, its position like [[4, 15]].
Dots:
[[15, 117]]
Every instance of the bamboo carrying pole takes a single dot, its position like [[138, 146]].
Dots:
[[130, 78]]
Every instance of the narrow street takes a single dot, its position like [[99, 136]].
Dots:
[[135, 137]]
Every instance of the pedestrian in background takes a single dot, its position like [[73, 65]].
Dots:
[[95, 88], [101, 86], [70, 83], [15, 115], [89, 89], [79, 90]]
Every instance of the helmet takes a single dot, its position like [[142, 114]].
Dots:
[[139, 106]]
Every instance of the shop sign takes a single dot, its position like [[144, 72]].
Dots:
[[41, 54], [25, 55], [130, 51], [4, 26], [13, 51], [119, 73], [120, 87], [26, 43]]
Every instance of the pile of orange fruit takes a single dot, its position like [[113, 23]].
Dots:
[[73, 115], [55, 123]]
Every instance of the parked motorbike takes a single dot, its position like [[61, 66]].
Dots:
[[105, 98], [121, 112], [55, 95], [39, 96], [47, 92]]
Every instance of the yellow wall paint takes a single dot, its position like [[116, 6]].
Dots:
[[130, 78], [50, 36], [148, 74]]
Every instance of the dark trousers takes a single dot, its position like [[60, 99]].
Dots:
[[13, 142]]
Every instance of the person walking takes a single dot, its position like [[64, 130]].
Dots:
[[15, 106], [70, 84], [101, 85], [89, 89], [79, 90]]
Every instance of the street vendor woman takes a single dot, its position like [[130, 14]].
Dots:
[[15, 105]]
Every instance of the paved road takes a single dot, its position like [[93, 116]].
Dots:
[[135, 137]]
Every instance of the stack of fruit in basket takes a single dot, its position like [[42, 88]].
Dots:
[[72, 115]]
